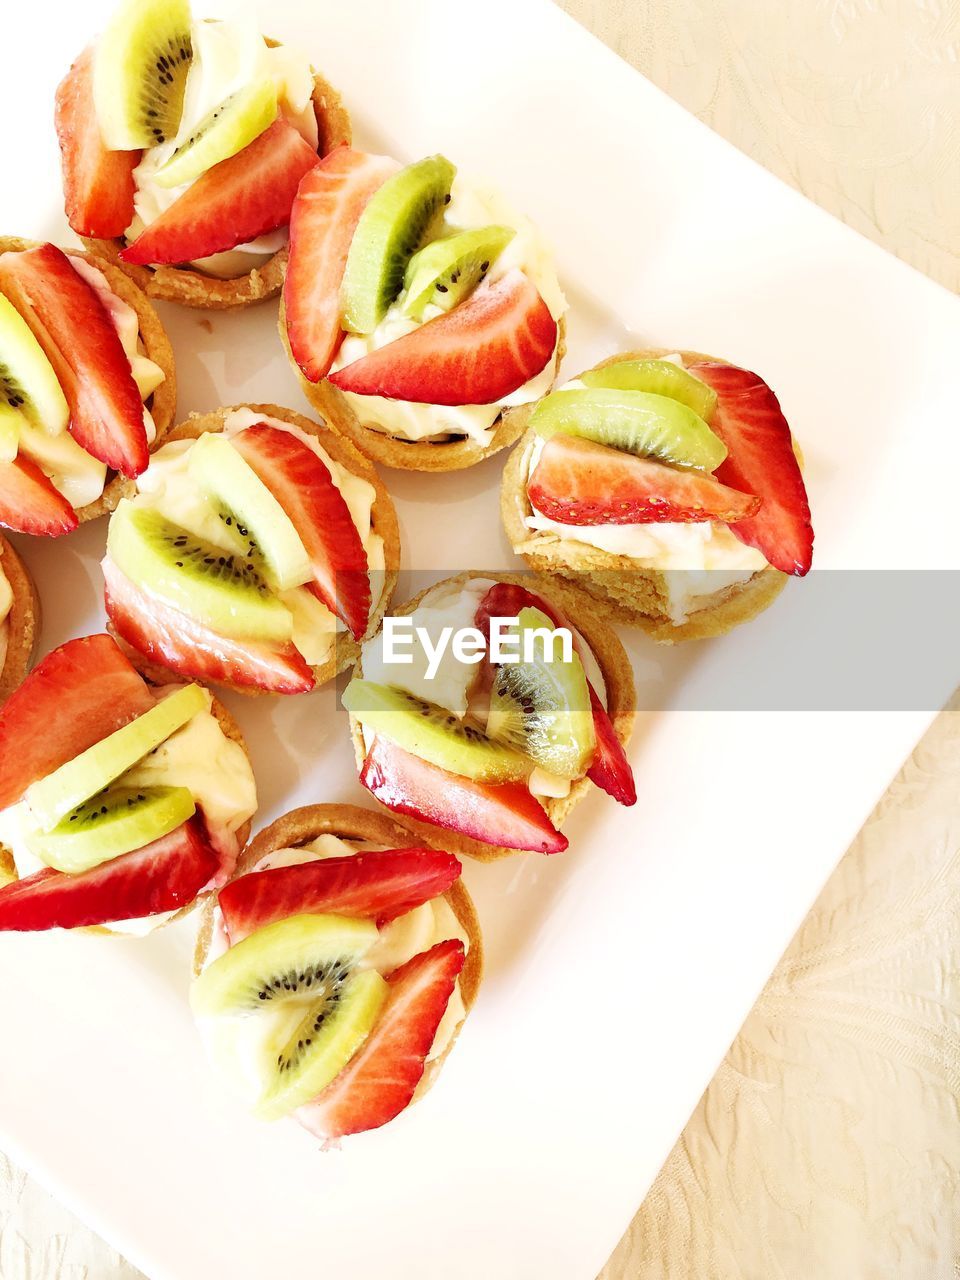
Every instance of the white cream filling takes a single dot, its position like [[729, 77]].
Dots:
[[6, 604]]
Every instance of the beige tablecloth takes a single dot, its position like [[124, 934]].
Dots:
[[828, 1145]]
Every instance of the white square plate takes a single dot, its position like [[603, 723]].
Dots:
[[619, 972]]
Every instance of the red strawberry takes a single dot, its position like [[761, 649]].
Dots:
[[479, 352], [162, 876], [80, 341], [581, 483], [305, 489], [383, 885], [98, 184], [760, 459], [78, 695], [29, 503], [504, 814], [237, 200], [177, 641], [325, 214], [380, 1080]]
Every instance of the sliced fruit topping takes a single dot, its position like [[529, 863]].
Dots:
[[306, 967], [11, 424], [329, 202], [381, 1079], [27, 380], [79, 339], [305, 489], [578, 482], [482, 351], [378, 885], [176, 640], [761, 460], [392, 227], [661, 378], [163, 876], [110, 824], [433, 734], [78, 695], [227, 129], [90, 772], [443, 273], [29, 503], [504, 815], [635, 421], [610, 770], [140, 72], [542, 706], [194, 576], [232, 203], [98, 186]]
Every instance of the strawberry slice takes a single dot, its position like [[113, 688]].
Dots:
[[760, 459], [237, 200], [80, 340], [479, 352], [304, 487], [78, 695], [162, 876], [505, 814], [29, 502], [330, 200], [578, 482], [380, 1080], [380, 885], [98, 186], [183, 644]]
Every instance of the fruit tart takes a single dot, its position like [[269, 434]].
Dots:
[[419, 309], [19, 619], [182, 143], [258, 551], [667, 485], [485, 742], [120, 803], [87, 386], [336, 970]]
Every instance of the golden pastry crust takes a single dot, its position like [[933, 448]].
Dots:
[[383, 522], [162, 403], [619, 695], [23, 620], [622, 591], [192, 288]]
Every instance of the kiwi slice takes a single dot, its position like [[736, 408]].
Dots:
[[303, 972], [662, 377], [248, 507], [543, 707], [140, 73], [28, 383], [431, 733], [227, 129], [87, 774], [114, 822], [194, 576], [11, 421], [399, 217], [444, 272], [634, 421]]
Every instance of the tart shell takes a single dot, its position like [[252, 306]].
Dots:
[[23, 620]]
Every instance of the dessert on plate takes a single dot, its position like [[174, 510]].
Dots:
[[182, 143], [419, 309], [667, 485], [486, 750], [19, 619], [120, 803], [87, 386], [335, 971], [258, 551]]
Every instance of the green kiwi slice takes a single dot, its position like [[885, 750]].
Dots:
[[542, 707], [662, 377], [140, 73], [397, 220], [431, 733], [444, 272], [194, 576], [224, 131], [114, 822], [28, 383], [11, 421]]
